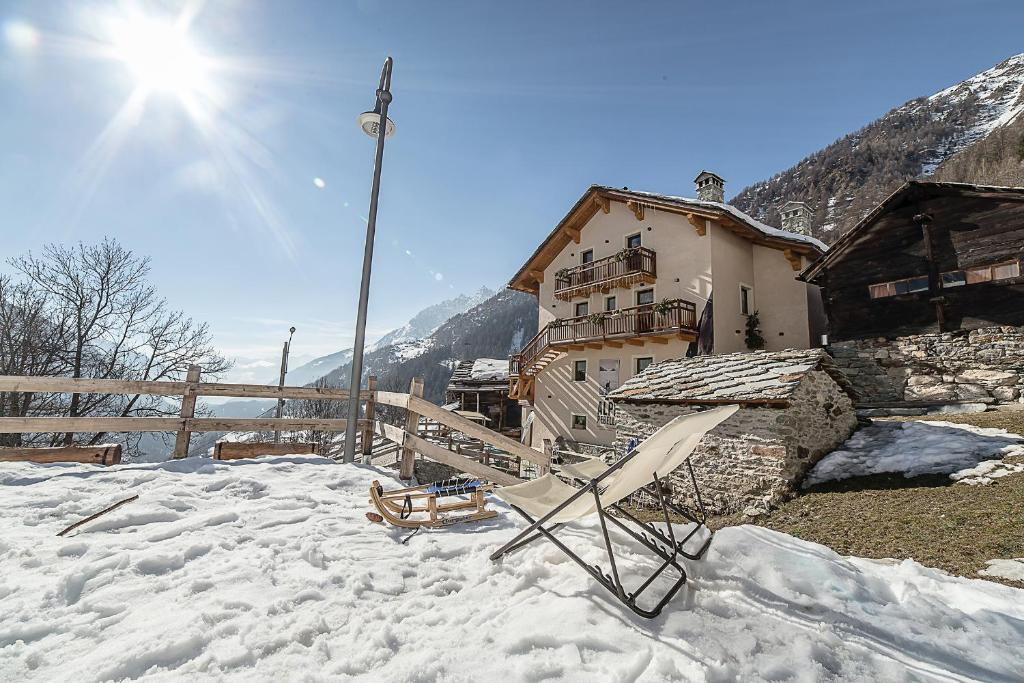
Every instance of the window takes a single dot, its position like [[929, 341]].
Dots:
[[746, 299], [579, 422], [579, 371], [610, 303], [642, 363], [582, 308], [897, 287], [971, 276], [956, 278], [587, 256], [633, 241], [645, 297]]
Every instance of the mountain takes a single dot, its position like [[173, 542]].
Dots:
[[420, 326], [493, 329], [970, 132]]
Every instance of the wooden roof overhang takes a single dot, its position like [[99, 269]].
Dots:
[[599, 198], [909, 192]]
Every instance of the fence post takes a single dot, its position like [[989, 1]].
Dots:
[[412, 423], [366, 440], [188, 410]]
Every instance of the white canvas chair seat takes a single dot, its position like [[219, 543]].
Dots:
[[550, 501]]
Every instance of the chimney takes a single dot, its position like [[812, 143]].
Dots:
[[710, 187], [796, 217]]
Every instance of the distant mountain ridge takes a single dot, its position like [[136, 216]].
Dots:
[[419, 326], [969, 132], [493, 329]]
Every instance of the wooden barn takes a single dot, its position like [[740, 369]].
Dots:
[[932, 258], [478, 390]]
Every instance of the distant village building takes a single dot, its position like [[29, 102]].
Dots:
[[796, 407], [925, 296], [628, 279], [478, 390]]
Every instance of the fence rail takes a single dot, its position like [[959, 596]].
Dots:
[[186, 422], [404, 442]]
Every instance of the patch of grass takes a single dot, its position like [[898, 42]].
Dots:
[[955, 528]]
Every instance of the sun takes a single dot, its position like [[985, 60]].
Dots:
[[160, 56]]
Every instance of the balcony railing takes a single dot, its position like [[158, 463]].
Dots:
[[639, 321], [625, 269]]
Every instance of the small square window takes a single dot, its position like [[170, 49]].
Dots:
[[579, 422], [610, 303], [633, 241], [643, 363], [1006, 271], [956, 278], [582, 308], [745, 300], [645, 297], [587, 256], [976, 275], [579, 371]]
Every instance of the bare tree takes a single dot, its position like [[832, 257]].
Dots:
[[30, 344], [313, 409], [114, 326]]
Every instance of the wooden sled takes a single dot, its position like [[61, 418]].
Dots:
[[398, 506]]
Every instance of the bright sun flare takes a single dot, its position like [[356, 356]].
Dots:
[[160, 56]]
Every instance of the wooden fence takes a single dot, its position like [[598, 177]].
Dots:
[[186, 422], [405, 441]]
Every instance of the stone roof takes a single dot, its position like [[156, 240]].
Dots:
[[482, 374], [758, 377]]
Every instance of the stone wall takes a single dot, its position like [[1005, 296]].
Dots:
[[759, 455], [985, 366]]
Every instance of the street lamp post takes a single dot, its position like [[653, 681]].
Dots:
[[375, 124], [280, 382]]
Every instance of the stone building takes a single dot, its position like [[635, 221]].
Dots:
[[796, 407]]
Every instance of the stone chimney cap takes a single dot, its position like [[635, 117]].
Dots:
[[704, 174]]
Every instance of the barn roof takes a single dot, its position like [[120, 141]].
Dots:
[[910, 192], [480, 374], [768, 377], [599, 195]]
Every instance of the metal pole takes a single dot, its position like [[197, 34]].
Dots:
[[280, 381], [383, 100]]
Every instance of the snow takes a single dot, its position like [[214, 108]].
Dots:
[[267, 569], [752, 222], [489, 369], [1005, 569], [1000, 91], [914, 448]]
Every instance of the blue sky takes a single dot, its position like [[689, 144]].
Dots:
[[505, 113]]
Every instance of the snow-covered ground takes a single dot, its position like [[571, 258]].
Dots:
[[268, 570], [914, 448]]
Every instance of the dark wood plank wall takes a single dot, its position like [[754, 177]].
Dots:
[[966, 232]]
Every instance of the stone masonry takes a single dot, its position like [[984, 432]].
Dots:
[[981, 366], [759, 455]]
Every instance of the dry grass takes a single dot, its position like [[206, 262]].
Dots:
[[954, 527]]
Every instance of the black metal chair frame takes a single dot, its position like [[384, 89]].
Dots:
[[664, 546]]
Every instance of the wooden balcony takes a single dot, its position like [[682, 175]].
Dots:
[[637, 325], [625, 269]]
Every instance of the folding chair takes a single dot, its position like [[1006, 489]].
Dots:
[[547, 503]]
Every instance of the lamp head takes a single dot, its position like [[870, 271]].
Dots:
[[369, 121], [291, 330]]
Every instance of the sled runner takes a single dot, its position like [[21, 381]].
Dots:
[[399, 506]]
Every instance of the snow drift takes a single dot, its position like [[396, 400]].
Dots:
[[267, 569]]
